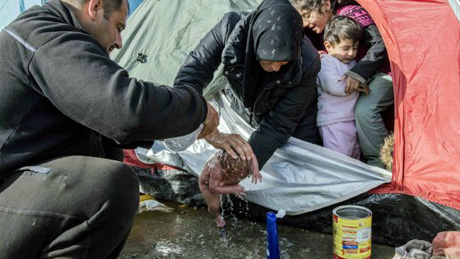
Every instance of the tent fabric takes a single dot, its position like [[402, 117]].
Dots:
[[166, 31], [300, 177], [133, 5], [422, 39], [10, 9], [165, 41]]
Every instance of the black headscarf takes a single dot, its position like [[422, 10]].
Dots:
[[272, 32], [277, 32]]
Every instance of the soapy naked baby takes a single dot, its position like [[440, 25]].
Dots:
[[222, 175]]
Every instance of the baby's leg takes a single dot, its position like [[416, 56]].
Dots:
[[213, 202]]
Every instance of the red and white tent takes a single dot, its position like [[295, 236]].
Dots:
[[422, 38], [423, 43]]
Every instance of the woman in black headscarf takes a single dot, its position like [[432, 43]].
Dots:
[[271, 70]]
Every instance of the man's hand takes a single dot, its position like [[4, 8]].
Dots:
[[231, 143], [211, 122]]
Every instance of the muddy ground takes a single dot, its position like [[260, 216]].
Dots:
[[189, 233]]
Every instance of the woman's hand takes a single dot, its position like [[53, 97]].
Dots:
[[234, 144]]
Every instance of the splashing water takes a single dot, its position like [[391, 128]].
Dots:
[[221, 200], [231, 210], [177, 235]]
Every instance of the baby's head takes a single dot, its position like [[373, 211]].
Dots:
[[237, 169], [341, 38]]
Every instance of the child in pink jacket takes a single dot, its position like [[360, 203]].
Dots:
[[336, 117]]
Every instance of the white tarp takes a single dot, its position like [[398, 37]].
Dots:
[[300, 177]]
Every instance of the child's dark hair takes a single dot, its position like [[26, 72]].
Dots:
[[341, 28], [308, 5], [315, 5]]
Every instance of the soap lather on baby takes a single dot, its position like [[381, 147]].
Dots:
[[222, 175]]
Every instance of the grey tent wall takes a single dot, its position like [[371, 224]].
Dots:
[[162, 33]]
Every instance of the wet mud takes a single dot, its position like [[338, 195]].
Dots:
[[190, 233]]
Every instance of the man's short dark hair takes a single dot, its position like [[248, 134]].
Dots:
[[342, 28], [112, 5]]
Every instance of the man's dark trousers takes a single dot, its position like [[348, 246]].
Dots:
[[75, 207]]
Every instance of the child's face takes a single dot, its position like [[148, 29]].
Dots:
[[316, 20], [345, 51]]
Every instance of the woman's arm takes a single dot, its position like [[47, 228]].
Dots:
[[200, 65], [281, 122]]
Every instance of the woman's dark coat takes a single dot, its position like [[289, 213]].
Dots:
[[275, 103]]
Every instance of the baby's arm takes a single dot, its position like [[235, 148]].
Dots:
[[256, 175], [203, 181], [217, 183], [214, 181]]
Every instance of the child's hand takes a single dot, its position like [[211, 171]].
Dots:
[[256, 175]]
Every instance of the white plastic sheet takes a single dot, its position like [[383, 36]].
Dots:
[[300, 177]]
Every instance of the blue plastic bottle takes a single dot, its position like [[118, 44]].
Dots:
[[273, 251]]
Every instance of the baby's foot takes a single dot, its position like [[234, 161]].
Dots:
[[220, 222]]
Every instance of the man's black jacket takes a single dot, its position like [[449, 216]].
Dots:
[[60, 93]]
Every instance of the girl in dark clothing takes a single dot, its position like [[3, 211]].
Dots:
[[271, 70], [371, 74]]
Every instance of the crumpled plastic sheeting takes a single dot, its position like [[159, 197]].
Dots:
[[396, 218], [425, 76], [166, 31], [300, 177]]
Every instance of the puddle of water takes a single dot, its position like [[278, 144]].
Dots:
[[191, 233]]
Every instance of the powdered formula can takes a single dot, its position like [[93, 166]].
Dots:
[[352, 231]]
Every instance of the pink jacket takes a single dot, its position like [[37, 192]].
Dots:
[[334, 105]]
